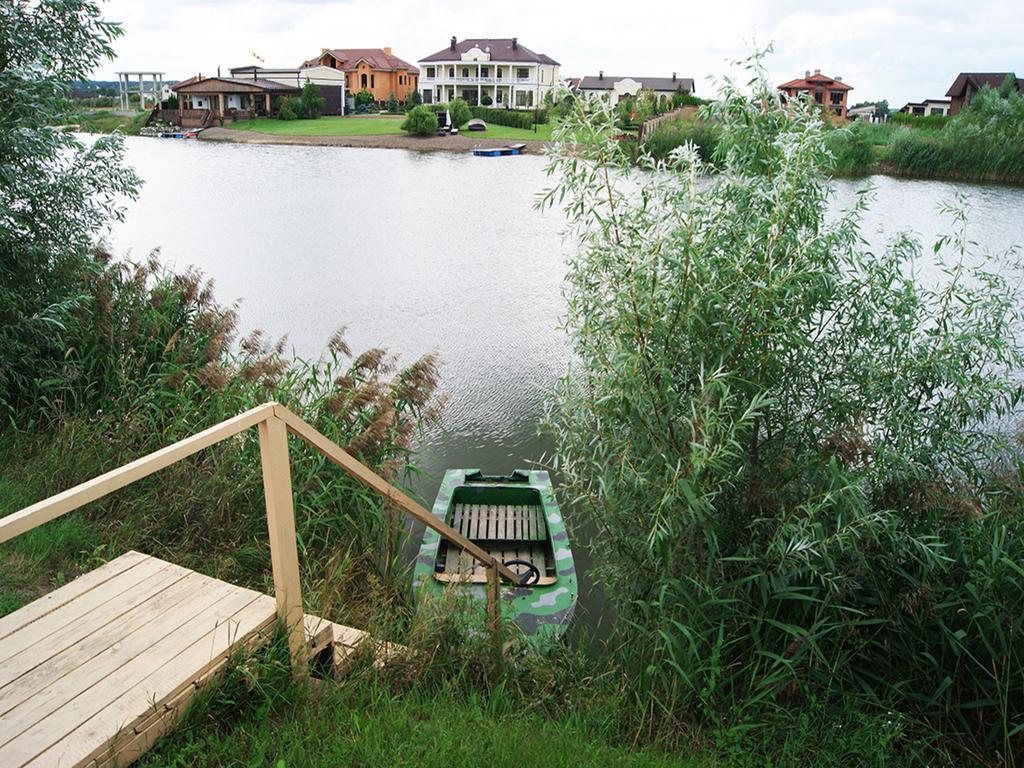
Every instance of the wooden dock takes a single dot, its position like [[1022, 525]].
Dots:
[[94, 672]]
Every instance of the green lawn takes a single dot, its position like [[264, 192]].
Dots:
[[377, 125], [357, 725]]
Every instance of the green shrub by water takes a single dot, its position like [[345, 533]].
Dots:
[[421, 121], [792, 456], [513, 118], [668, 136]]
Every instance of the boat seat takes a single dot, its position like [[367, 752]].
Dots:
[[460, 566], [500, 522]]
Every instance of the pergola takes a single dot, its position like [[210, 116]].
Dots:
[[124, 88]]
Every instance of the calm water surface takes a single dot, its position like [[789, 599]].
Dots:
[[419, 252]]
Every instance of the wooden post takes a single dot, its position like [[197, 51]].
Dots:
[[284, 556], [494, 611]]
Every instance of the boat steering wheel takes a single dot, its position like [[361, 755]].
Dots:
[[532, 575]]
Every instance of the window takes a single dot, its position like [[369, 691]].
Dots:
[[498, 72], [522, 73], [451, 71], [428, 96], [401, 80], [836, 97], [362, 79], [937, 111], [465, 71], [484, 71], [499, 97], [372, 83], [524, 98], [430, 72]]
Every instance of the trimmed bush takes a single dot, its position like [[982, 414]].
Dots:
[[421, 121], [459, 112], [513, 118]]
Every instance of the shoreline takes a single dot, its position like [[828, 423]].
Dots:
[[458, 144]]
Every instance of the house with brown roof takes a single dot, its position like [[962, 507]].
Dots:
[[490, 71], [967, 84], [200, 98], [828, 92], [375, 70], [613, 88]]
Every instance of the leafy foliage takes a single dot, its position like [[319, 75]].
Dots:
[[392, 103], [422, 121], [311, 103], [783, 442], [56, 195], [459, 112]]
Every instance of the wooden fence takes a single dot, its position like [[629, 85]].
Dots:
[[666, 117]]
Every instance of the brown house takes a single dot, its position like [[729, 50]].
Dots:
[[375, 70], [967, 84], [201, 97], [829, 92]]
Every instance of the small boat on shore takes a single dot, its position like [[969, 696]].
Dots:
[[516, 519], [511, 149]]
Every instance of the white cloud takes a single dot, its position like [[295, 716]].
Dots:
[[900, 50]]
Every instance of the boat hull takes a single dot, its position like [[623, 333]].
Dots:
[[543, 611]]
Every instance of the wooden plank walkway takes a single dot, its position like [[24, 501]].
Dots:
[[94, 672]]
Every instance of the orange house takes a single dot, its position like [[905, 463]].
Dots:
[[375, 70], [827, 92]]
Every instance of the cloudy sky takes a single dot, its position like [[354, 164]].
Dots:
[[901, 50]]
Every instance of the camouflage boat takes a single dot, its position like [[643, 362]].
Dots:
[[516, 519]]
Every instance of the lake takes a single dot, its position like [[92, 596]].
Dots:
[[419, 252]]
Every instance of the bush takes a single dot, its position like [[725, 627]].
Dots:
[[421, 120], [509, 117], [931, 122], [364, 101], [793, 458], [459, 112], [415, 99], [392, 105], [286, 109], [311, 103], [670, 135], [851, 150], [486, 100]]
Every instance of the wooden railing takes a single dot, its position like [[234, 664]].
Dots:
[[274, 422]]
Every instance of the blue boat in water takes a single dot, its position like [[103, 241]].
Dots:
[[511, 149]]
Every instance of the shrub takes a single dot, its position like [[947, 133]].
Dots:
[[508, 117], [669, 136], [486, 100], [311, 103], [786, 449], [286, 109], [415, 99], [459, 112], [392, 104], [364, 100], [62, 196], [851, 151], [421, 121], [931, 122]]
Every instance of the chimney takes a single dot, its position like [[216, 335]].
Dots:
[[817, 71], [600, 75], [515, 43], [807, 73], [387, 50], [673, 77], [218, 70], [838, 79], [453, 42]]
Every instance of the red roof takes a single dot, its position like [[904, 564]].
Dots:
[[377, 58], [817, 80]]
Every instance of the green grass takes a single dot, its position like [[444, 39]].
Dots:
[[377, 125], [324, 126], [106, 121], [360, 722]]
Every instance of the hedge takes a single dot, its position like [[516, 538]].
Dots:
[[513, 118]]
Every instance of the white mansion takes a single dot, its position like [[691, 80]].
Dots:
[[494, 72]]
